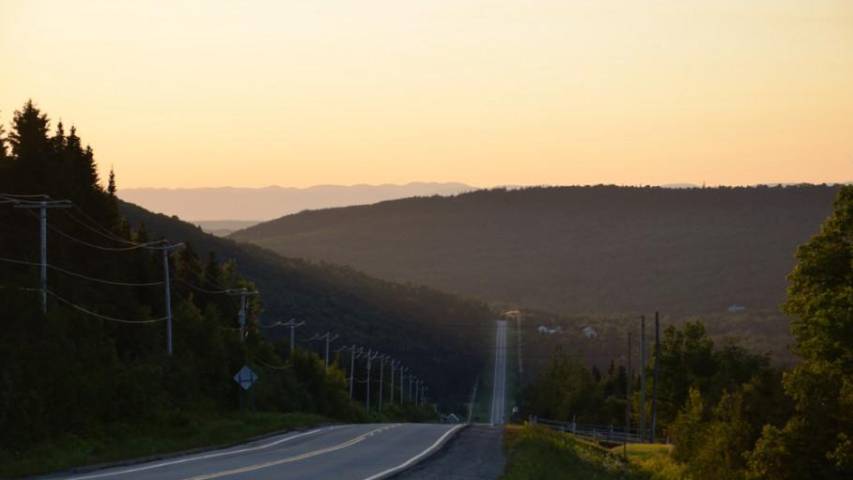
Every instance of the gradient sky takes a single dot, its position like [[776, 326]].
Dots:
[[297, 93]]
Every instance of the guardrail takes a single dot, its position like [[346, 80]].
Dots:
[[602, 433]]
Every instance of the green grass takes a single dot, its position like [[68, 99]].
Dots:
[[654, 459], [120, 441], [538, 453]]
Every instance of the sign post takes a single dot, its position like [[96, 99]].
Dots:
[[246, 378]]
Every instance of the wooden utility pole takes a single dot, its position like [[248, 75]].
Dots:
[[655, 379], [643, 376], [627, 401]]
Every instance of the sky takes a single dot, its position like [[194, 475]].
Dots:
[[298, 93]]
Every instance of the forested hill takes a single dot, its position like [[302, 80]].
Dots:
[[573, 249], [427, 330]]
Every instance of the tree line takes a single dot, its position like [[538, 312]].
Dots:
[[729, 412], [98, 356]]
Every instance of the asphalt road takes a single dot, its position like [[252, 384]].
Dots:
[[499, 384], [340, 452], [475, 453]]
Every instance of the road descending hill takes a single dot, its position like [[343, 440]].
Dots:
[[599, 249]]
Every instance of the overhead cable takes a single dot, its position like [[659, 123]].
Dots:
[[80, 275]]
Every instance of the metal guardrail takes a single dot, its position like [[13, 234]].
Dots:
[[605, 433]]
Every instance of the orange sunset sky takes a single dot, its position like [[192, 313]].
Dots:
[[297, 93]]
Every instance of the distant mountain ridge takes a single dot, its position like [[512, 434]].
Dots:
[[257, 204], [598, 249]]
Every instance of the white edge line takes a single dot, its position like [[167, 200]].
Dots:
[[417, 457], [206, 456]]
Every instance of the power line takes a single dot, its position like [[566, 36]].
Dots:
[[99, 230], [204, 290], [101, 247], [101, 316], [134, 246], [86, 310], [274, 367], [80, 275]]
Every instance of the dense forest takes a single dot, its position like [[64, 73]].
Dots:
[[98, 357], [429, 331], [573, 250], [729, 412]]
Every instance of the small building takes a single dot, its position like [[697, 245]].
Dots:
[[543, 330]]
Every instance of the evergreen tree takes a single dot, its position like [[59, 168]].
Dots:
[[31, 147], [4, 155], [111, 186]]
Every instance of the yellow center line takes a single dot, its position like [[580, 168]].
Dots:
[[303, 456]]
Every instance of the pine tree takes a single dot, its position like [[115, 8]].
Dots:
[[4, 155], [111, 186], [32, 149]]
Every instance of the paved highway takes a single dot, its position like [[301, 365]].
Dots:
[[476, 453], [499, 384], [340, 452]]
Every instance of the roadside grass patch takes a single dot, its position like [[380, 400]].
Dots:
[[534, 452], [654, 459], [180, 431]]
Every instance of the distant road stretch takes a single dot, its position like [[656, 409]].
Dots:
[[340, 452], [499, 383]]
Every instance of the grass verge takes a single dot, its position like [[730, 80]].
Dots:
[[654, 459], [121, 441], [535, 452]]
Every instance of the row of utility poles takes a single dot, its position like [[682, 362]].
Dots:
[[650, 433], [411, 388], [43, 204], [415, 391]]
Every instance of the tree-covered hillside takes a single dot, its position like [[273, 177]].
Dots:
[[444, 338], [728, 412], [602, 249], [95, 366]]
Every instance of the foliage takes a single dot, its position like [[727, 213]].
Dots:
[[654, 459], [815, 441], [689, 360], [428, 331], [120, 441], [79, 375]]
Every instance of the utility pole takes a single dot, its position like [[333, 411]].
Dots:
[[473, 398], [655, 375], [402, 379], [370, 356], [43, 205], [643, 376], [417, 392], [518, 347], [168, 290], [241, 315], [292, 324], [381, 378], [391, 390], [329, 338], [351, 370], [627, 400]]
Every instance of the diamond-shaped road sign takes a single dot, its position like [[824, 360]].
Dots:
[[246, 377]]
